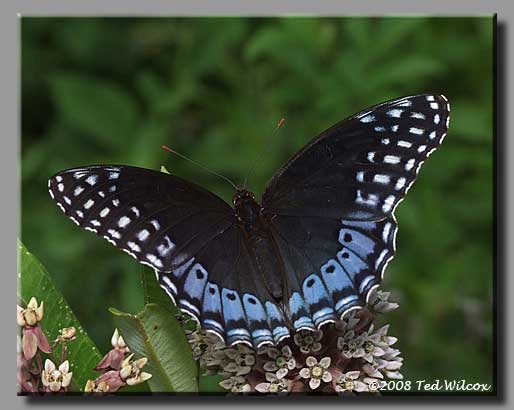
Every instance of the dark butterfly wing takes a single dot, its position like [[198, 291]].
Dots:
[[186, 234], [332, 205], [362, 167]]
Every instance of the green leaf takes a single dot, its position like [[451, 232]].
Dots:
[[100, 109], [157, 335], [153, 293], [82, 354]]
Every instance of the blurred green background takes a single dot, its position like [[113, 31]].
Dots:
[[113, 90]]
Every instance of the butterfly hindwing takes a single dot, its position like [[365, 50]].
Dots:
[[332, 264]]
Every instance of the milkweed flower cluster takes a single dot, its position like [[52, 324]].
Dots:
[[118, 366], [32, 376], [349, 357], [118, 369]]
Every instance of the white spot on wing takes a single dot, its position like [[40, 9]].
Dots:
[[418, 115], [114, 175], [385, 141], [104, 212], [417, 131], [391, 159], [136, 211], [395, 112], [60, 187], [67, 200], [91, 179], [155, 224], [134, 246], [436, 119], [58, 178], [154, 259], [80, 214], [114, 233], [432, 135], [95, 222], [385, 232], [394, 128], [123, 222], [388, 203], [381, 179], [143, 235], [379, 128], [360, 176], [368, 118], [434, 105], [404, 144], [430, 98], [78, 190], [164, 248], [380, 258], [115, 202], [371, 155], [405, 103], [410, 164], [371, 200], [89, 204], [400, 183], [422, 148]]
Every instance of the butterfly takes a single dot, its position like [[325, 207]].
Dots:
[[313, 249]]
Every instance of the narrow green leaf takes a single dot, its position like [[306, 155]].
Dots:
[[82, 354], [157, 335], [153, 293]]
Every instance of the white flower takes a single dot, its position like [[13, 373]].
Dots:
[[348, 382], [282, 361], [241, 359], [56, 379], [380, 337], [316, 372], [379, 302], [117, 342], [373, 369], [274, 385], [31, 314], [370, 350], [308, 341], [351, 345], [393, 364], [236, 384], [131, 371]]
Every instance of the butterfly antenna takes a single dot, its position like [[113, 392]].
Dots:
[[252, 167], [164, 147]]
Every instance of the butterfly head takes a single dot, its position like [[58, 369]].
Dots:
[[246, 206]]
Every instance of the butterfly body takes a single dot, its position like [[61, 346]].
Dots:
[[309, 252]]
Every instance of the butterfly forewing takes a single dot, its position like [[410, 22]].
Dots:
[[362, 167]]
